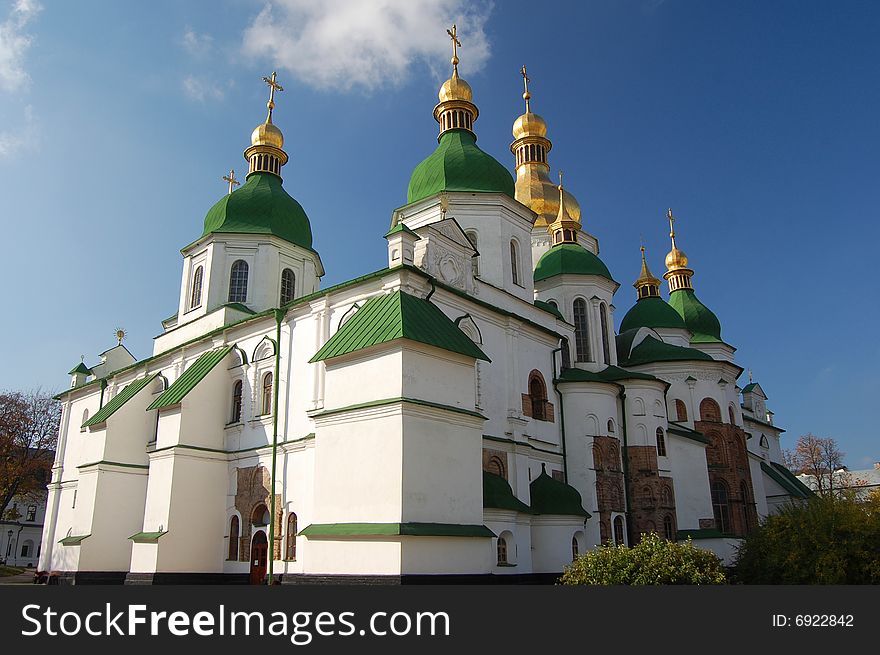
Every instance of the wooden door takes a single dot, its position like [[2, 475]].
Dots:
[[259, 555]]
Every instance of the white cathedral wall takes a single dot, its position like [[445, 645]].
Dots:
[[758, 488], [551, 540], [519, 552], [690, 480], [351, 556], [450, 555]]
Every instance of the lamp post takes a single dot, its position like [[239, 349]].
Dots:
[[8, 545]]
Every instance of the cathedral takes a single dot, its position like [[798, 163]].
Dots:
[[467, 413]]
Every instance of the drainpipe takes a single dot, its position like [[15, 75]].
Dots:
[[622, 395], [561, 415], [279, 314]]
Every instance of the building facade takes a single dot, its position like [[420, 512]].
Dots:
[[466, 413]]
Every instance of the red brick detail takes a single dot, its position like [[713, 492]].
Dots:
[[493, 460], [549, 412], [609, 483], [253, 484], [527, 405], [651, 497]]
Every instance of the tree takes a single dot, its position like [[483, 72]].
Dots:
[[654, 561], [829, 539], [818, 457], [28, 434]]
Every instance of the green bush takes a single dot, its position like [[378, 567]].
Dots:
[[827, 540], [654, 561]]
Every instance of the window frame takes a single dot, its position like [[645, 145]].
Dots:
[[239, 276], [266, 393]]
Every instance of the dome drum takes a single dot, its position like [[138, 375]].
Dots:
[[456, 115]]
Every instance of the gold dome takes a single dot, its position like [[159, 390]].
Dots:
[[676, 259], [455, 88], [535, 190], [529, 124], [267, 135]]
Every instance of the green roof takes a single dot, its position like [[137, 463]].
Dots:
[[570, 259], [702, 533], [400, 227], [459, 165], [497, 494], [607, 374], [551, 496], [260, 206], [237, 306], [698, 318], [548, 307], [190, 378], [786, 479], [686, 432], [393, 529], [394, 316], [119, 400], [652, 350], [651, 312], [73, 540], [80, 368]]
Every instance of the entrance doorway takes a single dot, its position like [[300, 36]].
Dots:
[[259, 555]]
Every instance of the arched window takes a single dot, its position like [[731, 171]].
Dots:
[[233, 539], [581, 331], [195, 298], [238, 281], [496, 466], [575, 550], [746, 505], [538, 396], [681, 410], [475, 260], [661, 443], [291, 536], [267, 394], [514, 262], [236, 402], [731, 415], [603, 317], [502, 549], [566, 354], [287, 286], [619, 539], [721, 505], [764, 442], [598, 464], [710, 411], [82, 425], [666, 496], [611, 426], [668, 527]]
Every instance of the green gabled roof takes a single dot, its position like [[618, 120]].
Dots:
[[80, 368], [74, 539], [686, 432], [147, 537], [239, 307], [547, 307], [551, 496], [570, 259], [119, 400], [190, 378], [652, 350], [651, 312], [459, 165], [497, 494], [786, 479], [394, 316], [698, 318], [410, 529], [607, 374], [260, 206], [400, 227]]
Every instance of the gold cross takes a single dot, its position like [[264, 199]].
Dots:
[[526, 80], [273, 86], [453, 34], [671, 225], [231, 179], [560, 179]]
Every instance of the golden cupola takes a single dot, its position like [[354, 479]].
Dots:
[[456, 109], [266, 154], [647, 286], [530, 146], [564, 229], [677, 272]]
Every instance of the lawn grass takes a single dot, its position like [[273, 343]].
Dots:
[[6, 571]]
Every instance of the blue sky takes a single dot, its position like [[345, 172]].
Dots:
[[755, 121]]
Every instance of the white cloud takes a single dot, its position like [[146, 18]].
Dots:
[[26, 136], [201, 89], [198, 45], [342, 44], [14, 43]]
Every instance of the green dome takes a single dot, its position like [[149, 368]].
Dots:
[[458, 165], [651, 312], [497, 494], [551, 496], [571, 259], [698, 318], [261, 206]]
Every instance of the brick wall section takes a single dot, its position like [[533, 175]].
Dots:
[[728, 460], [252, 490], [500, 457], [652, 497], [609, 482]]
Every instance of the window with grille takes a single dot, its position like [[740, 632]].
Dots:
[[238, 281], [196, 297], [288, 280], [581, 331]]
